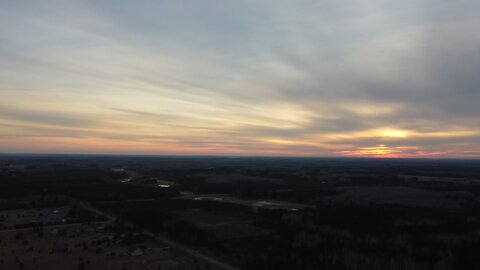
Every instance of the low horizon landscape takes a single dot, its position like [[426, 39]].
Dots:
[[139, 212], [228, 135]]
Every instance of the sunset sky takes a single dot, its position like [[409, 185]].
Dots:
[[266, 77]]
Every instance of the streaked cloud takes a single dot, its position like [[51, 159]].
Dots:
[[377, 78]]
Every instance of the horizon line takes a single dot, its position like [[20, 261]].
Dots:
[[231, 156]]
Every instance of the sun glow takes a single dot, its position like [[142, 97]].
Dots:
[[394, 133], [380, 150]]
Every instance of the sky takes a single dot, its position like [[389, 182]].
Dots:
[[377, 78]]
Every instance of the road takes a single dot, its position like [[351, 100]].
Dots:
[[163, 239]]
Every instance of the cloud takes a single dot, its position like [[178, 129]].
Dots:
[[44, 117], [283, 77]]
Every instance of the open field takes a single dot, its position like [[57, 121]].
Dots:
[[82, 247], [31, 217], [224, 225], [94, 245]]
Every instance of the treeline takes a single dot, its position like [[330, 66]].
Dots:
[[91, 184], [362, 237], [369, 237]]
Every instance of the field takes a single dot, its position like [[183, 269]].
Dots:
[[90, 245], [79, 247], [225, 225], [31, 217]]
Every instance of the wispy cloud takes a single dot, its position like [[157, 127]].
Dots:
[[244, 77]]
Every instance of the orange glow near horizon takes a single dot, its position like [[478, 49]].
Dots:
[[211, 145], [380, 150], [132, 136]]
